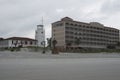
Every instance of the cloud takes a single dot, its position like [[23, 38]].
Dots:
[[20, 17], [111, 10], [111, 7]]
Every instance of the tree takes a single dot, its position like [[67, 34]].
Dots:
[[54, 42], [15, 44], [43, 43], [55, 49], [49, 42], [118, 44], [111, 46], [69, 44]]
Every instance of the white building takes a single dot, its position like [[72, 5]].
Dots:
[[17, 42], [40, 36]]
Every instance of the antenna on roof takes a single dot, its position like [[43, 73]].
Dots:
[[42, 20], [41, 23]]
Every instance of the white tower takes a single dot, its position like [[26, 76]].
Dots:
[[40, 36]]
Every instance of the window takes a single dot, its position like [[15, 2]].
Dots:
[[12, 41], [76, 25], [79, 25], [71, 24], [67, 28], [60, 24], [35, 42], [21, 42], [31, 43], [67, 23], [26, 42]]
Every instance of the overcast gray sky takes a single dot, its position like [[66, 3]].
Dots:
[[20, 17]]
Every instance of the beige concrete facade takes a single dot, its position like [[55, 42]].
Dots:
[[90, 35]]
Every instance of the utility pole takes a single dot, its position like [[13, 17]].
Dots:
[[43, 47], [44, 38]]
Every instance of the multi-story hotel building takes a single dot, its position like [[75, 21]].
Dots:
[[70, 33]]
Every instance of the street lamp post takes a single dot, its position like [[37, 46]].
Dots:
[[43, 47]]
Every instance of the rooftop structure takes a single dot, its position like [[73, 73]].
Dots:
[[40, 35]]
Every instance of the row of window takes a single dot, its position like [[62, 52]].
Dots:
[[91, 31], [92, 27], [59, 24], [92, 39], [91, 35], [23, 42], [78, 26], [96, 43], [100, 36], [92, 43]]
